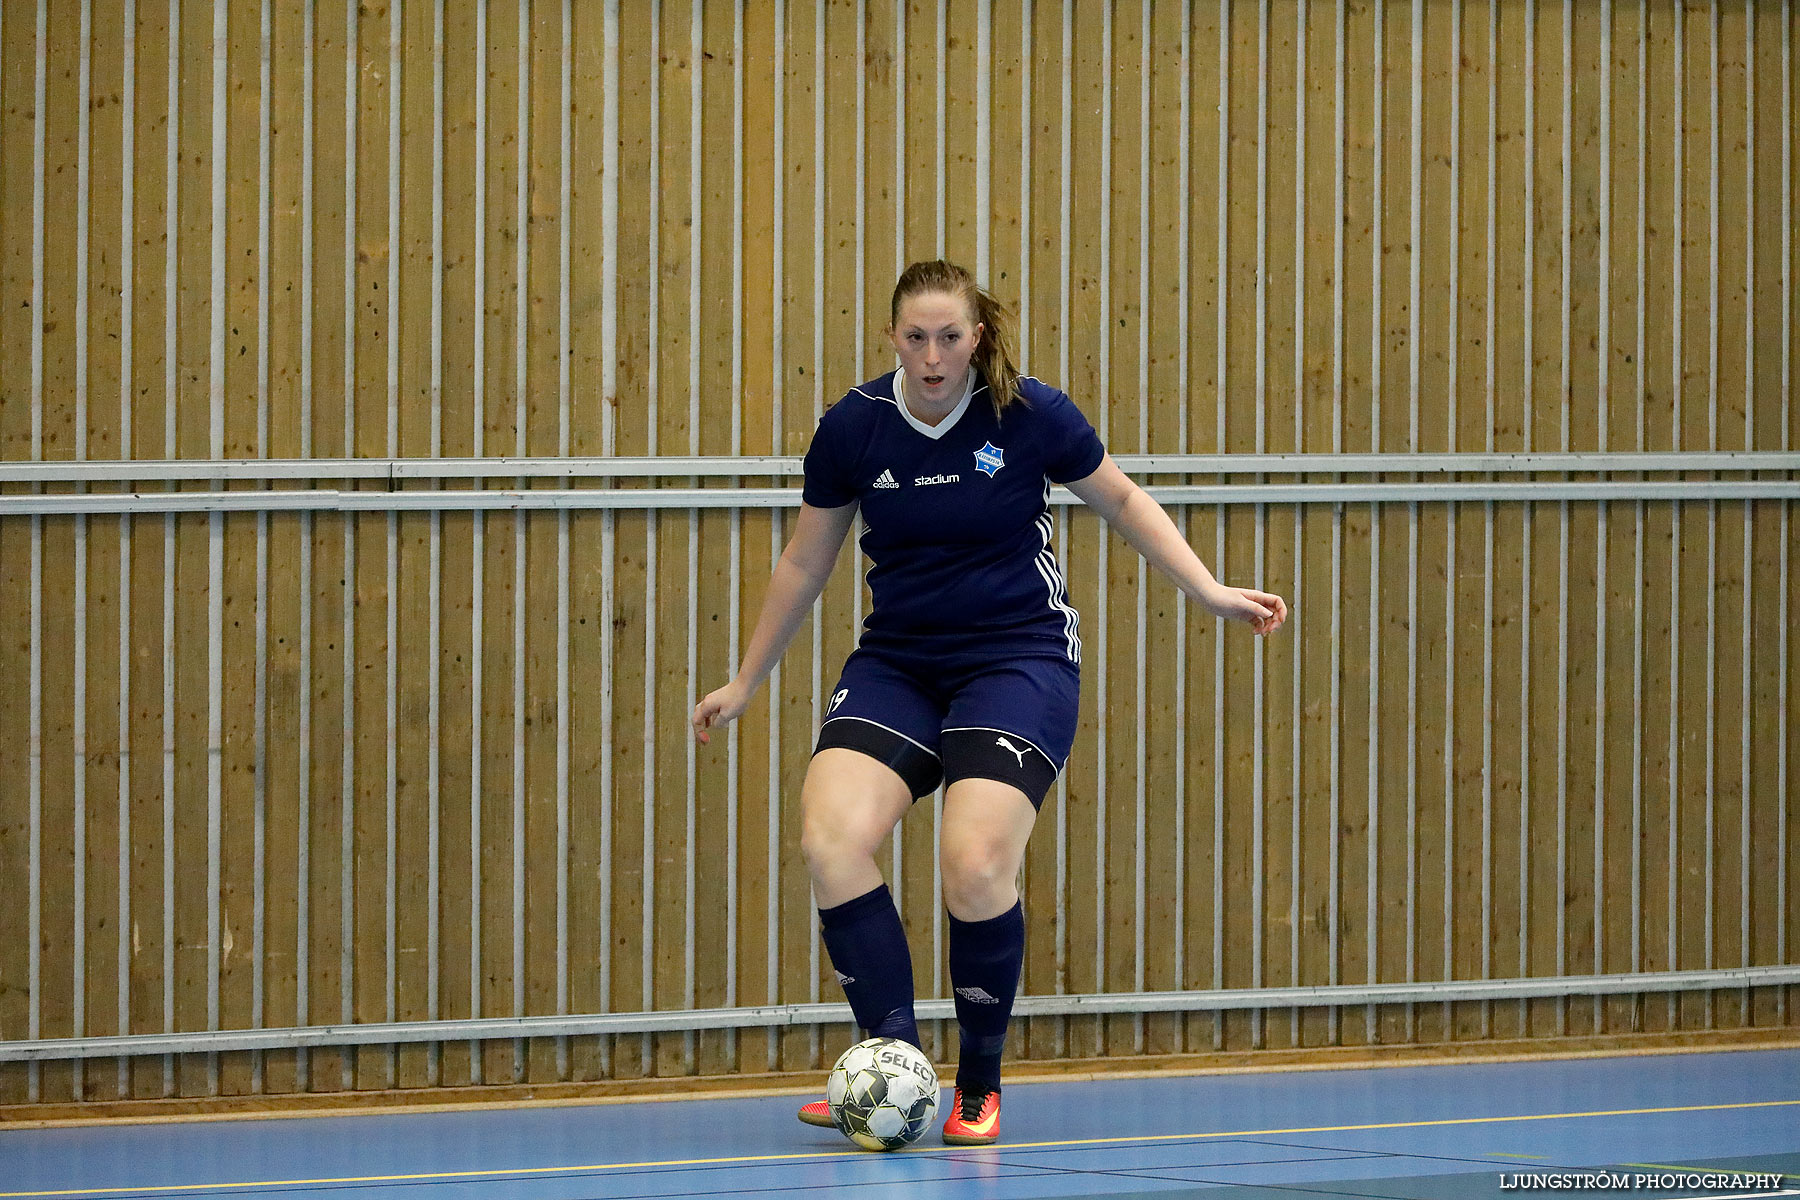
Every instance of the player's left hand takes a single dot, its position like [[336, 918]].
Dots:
[[1264, 612], [719, 707]]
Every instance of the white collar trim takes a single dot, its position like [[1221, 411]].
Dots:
[[944, 426]]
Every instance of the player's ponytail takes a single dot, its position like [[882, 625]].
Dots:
[[993, 354]]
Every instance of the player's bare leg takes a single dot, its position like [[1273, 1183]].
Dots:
[[848, 805], [981, 847]]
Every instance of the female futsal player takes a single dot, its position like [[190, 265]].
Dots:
[[968, 668]]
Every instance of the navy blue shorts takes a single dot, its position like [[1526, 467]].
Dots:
[[942, 718]]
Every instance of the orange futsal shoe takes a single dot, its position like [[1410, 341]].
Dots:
[[974, 1119], [817, 1113]]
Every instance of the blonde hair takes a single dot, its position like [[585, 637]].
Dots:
[[993, 353]]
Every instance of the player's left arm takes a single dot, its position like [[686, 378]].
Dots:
[[1141, 521]]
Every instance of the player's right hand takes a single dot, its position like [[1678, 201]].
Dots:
[[1264, 612], [719, 707]]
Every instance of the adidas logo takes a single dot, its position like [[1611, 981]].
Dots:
[[886, 480], [843, 979], [976, 995]]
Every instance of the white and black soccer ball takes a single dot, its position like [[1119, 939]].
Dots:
[[883, 1093]]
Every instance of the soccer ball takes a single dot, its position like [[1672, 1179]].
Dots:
[[883, 1093]]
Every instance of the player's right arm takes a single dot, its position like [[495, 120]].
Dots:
[[799, 577]]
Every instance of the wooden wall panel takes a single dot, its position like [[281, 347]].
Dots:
[[98, 756], [1116, 618], [300, 769], [16, 574], [1157, 697]]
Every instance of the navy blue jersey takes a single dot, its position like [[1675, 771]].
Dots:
[[958, 525]]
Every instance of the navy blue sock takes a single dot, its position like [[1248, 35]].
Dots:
[[985, 958], [867, 945]]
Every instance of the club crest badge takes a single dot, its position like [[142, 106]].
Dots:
[[989, 458]]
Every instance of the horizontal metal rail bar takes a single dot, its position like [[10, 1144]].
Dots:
[[789, 466], [174, 470], [332, 500], [789, 1015], [635, 499], [1379, 493]]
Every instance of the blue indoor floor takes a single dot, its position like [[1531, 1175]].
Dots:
[[1470, 1129]]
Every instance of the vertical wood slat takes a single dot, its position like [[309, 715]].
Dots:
[[224, 1074], [1595, 143]]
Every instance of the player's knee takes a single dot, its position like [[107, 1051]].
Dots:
[[977, 875], [821, 846], [828, 844]]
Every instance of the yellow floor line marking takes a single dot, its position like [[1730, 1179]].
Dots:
[[738, 1160]]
